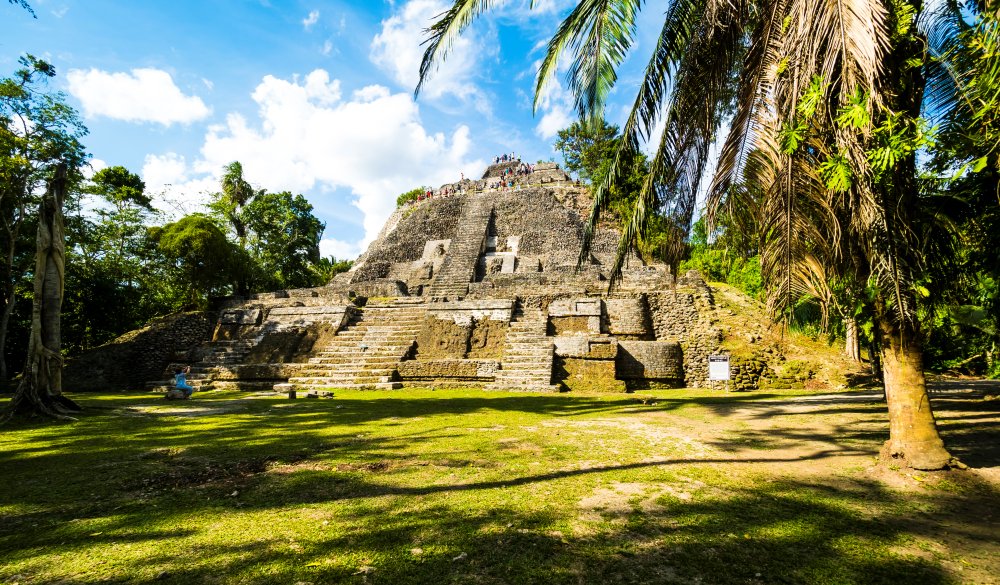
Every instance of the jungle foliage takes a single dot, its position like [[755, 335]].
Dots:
[[125, 263]]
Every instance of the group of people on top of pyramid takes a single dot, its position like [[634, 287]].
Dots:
[[504, 158]]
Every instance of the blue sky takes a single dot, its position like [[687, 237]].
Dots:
[[314, 97]]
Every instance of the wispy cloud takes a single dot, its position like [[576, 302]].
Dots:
[[310, 20]]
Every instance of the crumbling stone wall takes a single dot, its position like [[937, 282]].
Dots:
[[629, 318], [746, 373], [487, 338], [549, 231], [586, 375], [445, 371], [282, 346], [684, 315], [443, 339], [130, 360], [658, 361]]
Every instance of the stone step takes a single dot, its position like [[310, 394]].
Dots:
[[524, 373], [409, 329], [382, 351], [528, 364], [358, 333], [335, 360], [285, 387], [242, 385], [329, 372], [530, 387], [335, 381]]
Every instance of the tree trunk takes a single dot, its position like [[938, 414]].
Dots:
[[913, 433], [852, 347], [40, 390], [4, 324]]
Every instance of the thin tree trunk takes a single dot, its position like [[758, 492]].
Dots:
[[913, 433], [10, 296], [40, 390], [852, 347]]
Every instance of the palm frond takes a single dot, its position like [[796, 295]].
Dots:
[[755, 90], [702, 77], [599, 33], [679, 27], [844, 41], [443, 32]]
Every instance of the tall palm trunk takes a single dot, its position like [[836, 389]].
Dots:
[[913, 433], [40, 390], [852, 346]]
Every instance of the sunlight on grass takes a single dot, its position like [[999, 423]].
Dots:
[[420, 486]]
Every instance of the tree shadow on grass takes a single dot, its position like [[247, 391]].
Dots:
[[772, 532], [114, 470]]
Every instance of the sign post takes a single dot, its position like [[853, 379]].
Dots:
[[718, 369]]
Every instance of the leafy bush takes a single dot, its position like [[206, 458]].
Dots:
[[410, 195]]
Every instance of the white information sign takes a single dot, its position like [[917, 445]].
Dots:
[[718, 367]]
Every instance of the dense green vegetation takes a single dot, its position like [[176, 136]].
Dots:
[[121, 251], [792, 248]]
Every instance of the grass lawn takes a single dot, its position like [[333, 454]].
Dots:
[[453, 486]]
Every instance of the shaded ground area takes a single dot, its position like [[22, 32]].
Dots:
[[474, 487]]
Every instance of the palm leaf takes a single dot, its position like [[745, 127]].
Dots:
[[599, 34], [443, 32], [678, 29]]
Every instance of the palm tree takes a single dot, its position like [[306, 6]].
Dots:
[[823, 99]]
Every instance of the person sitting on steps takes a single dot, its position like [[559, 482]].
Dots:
[[180, 381]]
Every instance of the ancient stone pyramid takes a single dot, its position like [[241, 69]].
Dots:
[[474, 285]]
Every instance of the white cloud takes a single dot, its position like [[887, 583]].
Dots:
[[557, 106], [339, 249], [327, 48], [308, 139], [310, 20], [397, 50], [95, 165], [144, 95]]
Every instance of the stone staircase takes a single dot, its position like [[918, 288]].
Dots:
[[222, 354], [527, 359], [365, 354], [459, 266]]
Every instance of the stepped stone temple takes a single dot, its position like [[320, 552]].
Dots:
[[475, 285]]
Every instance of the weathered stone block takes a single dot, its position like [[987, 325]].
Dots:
[[629, 317], [569, 325], [585, 346], [240, 317], [445, 369], [466, 311], [571, 345], [487, 338], [586, 375], [443, 338], [650, 360]]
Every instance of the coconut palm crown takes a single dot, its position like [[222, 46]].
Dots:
[[824, 101]]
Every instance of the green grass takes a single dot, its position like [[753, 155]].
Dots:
[[423, 486]]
